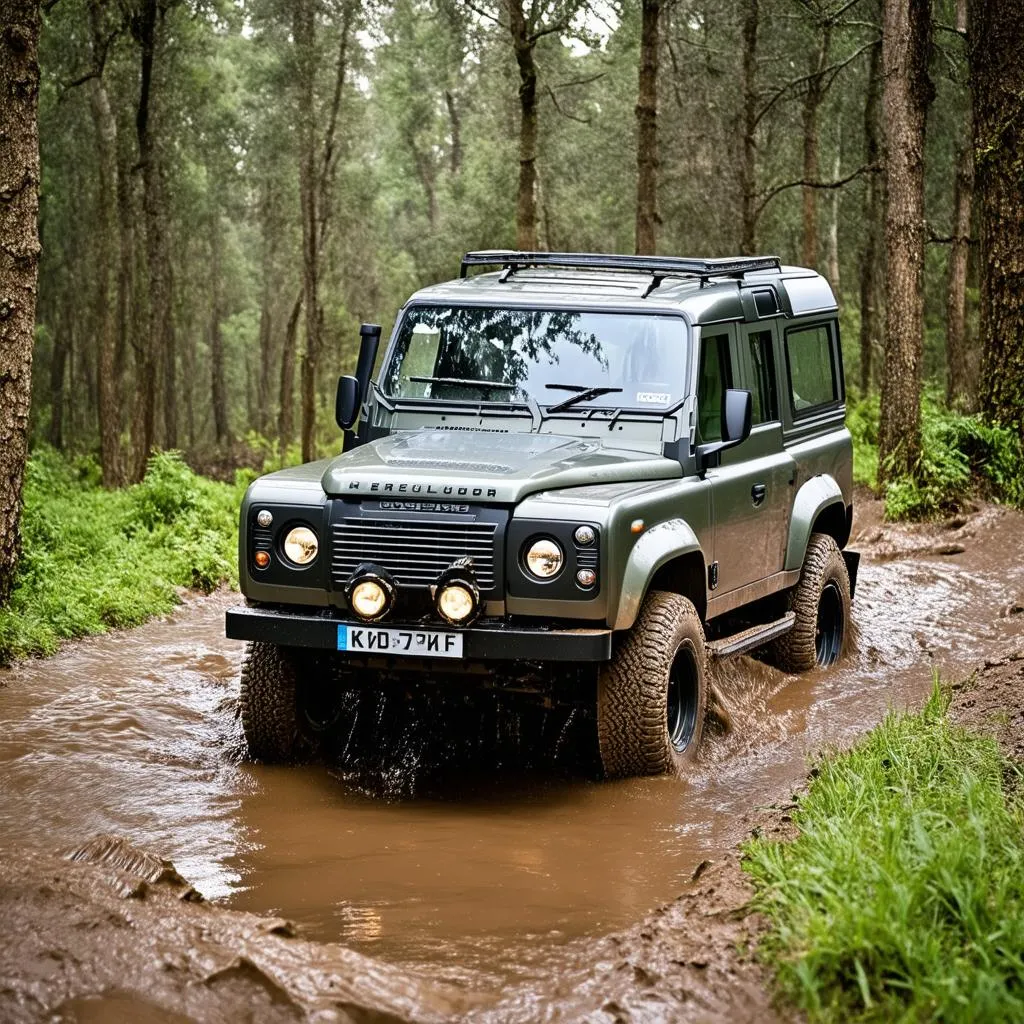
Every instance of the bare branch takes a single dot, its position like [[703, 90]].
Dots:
[[579, 81], [565, 113], [770, 194]]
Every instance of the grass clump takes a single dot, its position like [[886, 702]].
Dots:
[[903, 896], [961, 456], [93, 559]]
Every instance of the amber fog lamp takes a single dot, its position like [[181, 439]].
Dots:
[[262, 559], [370, 593], [300, 545]]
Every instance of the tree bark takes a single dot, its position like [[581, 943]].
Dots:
[[908, 92], [812, 104], [160, 343], [286, 413], [869, 291], [105, 225], [526, 197], [647, 131], [19, 261], [748, 165], [996, 54], [455, 120], [959, 390], [218, 387]]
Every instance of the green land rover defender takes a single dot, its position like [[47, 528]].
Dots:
[[583, 476]]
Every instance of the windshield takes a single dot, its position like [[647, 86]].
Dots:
[[558, 357]]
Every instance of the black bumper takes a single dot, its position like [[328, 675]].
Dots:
[[482, 642]]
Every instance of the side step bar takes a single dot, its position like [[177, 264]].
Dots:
[[749, 639]]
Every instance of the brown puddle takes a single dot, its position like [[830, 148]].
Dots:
[[479, 870]]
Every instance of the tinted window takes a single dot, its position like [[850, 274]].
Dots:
[[812, 370], [762, 386], [715, 375]]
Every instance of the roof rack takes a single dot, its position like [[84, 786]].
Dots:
[[660, 266]]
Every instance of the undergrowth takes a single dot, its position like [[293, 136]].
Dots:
[[903, 896], [94, 559], [961, 456]]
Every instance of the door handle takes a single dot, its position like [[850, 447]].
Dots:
[[758, 493]]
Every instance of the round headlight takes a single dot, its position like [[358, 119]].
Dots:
[[301, 545], [544, 559], [455, 602], [369, 599]]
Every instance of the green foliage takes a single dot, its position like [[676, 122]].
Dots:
[[961, 455], [903, 896], [95, 559]]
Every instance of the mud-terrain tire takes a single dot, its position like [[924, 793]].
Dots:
[[821, 601], [283, 717], [652, 695]]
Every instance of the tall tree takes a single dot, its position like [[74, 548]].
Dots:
[[996, 57], [959, 386], [869, 275], [647, 130], [19, 260], [748, 162], [908, 91]]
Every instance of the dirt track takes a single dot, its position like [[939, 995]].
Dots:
[[115, 922]]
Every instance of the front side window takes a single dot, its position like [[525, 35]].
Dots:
[[813, 380], [500, 355]]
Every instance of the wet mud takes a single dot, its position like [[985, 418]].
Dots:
[[462, 850]]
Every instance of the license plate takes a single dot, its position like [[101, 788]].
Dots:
[[414, 642]]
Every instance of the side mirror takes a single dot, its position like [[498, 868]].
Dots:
[[346, 402], [737, 415]]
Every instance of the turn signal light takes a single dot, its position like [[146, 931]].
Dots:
[[262, 559]]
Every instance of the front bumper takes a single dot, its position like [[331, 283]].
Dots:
[[482, 642]]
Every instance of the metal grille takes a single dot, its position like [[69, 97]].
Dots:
[[415, 553]]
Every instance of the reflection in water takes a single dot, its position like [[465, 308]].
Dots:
[[462, 853]]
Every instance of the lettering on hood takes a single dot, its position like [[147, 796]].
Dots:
[[440, 490]]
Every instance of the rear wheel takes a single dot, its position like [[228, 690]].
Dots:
[[821, 602], [652, 695], [289, 703]]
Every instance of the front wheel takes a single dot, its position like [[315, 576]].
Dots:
[[652, 695], [821, 603]]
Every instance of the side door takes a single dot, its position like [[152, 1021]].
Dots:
[[739, 506]]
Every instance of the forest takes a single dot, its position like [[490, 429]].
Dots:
[[229, 188]]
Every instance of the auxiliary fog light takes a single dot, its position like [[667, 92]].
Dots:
[[369, 599], [301, 545], [544, 558], [456, 603]]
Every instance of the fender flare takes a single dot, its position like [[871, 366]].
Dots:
[[660, 544], [816, 495]]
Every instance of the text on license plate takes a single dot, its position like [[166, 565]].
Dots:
[[371, 639]]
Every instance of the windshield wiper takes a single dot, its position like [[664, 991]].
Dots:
[[482, 384], [582, 395]]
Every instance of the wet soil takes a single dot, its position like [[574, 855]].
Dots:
[[482, 880]]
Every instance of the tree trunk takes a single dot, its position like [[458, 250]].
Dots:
[[303, 33], [263, 379], [833, 225], [748, 165], [160, 337], [959, 390], [812, 104], [455, 120], [526, 199], [218, 388], [19, 261], [286, 414], [907, 94], [872, 230], [58, 374], [647, 131], [105, 326], [997, 77]]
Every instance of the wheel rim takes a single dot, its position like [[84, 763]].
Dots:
[[320, 707], [682, 698], [828, 637]]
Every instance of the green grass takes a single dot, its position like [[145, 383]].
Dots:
[[902, 898], [961, 456], [94, 559]]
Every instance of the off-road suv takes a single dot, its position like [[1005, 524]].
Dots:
[[591, 472]]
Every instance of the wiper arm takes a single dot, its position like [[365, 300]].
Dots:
[[582, 395], [485, 385]]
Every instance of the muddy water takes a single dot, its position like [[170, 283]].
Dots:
[[481, 870]]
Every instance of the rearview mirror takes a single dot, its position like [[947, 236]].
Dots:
[[737, 414], [346, 402]]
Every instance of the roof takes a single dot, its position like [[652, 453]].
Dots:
[[707, 292]]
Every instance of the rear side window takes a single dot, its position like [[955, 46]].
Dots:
[[715, 377], [765, 403], [813, 377]]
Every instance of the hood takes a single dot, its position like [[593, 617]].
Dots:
[[484, 465]]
